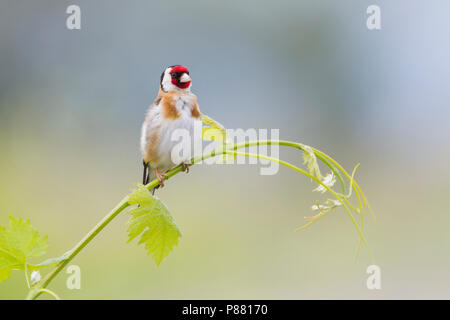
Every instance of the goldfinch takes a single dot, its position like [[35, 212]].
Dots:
[[174, 108]]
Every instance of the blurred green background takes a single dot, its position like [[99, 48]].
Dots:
[[72, 103]]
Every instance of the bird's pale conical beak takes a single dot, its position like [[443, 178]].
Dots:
[[185, 78]]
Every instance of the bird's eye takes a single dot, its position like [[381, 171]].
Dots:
[[173, 75]]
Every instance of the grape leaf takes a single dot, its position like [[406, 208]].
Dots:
[[214, 125], [217, 132], [152, 222], [19, 243]]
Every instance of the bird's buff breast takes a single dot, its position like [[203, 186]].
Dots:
[[185, 122]]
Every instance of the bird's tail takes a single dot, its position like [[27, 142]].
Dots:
[[149, 175]]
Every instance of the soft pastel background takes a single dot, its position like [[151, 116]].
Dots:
[[72, 102]]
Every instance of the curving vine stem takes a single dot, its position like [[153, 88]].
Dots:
[[334, 166]]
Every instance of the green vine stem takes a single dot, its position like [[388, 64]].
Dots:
[[54, 295], [339, 197], [26, 276], [39, 288]]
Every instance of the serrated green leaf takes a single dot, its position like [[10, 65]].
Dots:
[[210, 133], [152, 222], [19, 243], [217, 132]]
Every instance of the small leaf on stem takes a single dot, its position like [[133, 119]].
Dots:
[[152, 221], [18, 244]]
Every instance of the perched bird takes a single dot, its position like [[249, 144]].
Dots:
[[174, 108]]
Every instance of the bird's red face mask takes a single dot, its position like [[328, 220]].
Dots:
[[180, 77]]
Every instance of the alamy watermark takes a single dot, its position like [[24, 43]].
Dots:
[[73, 21], [189, 143], [373, 281], [74, 279], [373, 21]]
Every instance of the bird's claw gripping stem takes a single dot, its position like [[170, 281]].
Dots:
[[186, 166], [161, 177]]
